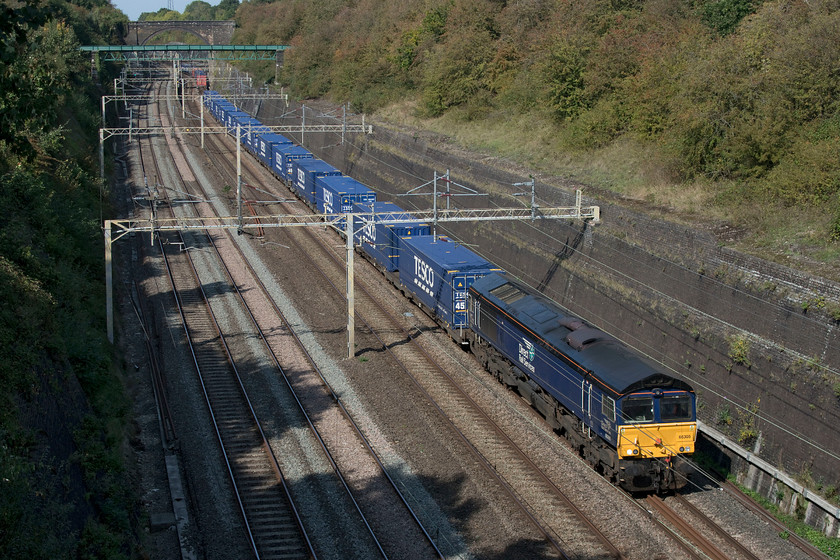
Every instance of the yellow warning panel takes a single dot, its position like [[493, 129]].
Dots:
[[656, 440]]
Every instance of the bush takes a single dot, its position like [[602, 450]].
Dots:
[[455, 72], [563, 75], [724, 15], [739, 350]]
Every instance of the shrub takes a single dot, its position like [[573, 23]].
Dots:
[[739, 350], [723, 16], [724, 416], [563, 75]]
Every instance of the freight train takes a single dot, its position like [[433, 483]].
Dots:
[[632, 422]]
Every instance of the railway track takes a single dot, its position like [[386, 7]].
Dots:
[[465, 414], [538, 498], [269, 513], [696, 542], [492, 448], [563, 524], [165, 419], [424, 547], [271, 520], [701, 537]]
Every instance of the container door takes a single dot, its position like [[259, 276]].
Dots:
[[459, 300]]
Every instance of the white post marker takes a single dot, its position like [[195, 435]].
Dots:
[[351, 326]]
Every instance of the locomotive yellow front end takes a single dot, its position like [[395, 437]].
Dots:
[[650, 455], [656, 440]]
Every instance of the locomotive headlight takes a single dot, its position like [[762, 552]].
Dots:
[[682, 449]]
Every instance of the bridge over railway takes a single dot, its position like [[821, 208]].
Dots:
[[211, 32]]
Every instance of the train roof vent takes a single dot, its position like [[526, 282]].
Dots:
[[508, 293], [544, 315], [571, 323], [583, 336]]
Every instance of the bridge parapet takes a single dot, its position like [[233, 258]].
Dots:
[[211, 32]]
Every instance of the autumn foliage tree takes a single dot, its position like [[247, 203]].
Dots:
[[725, 90]]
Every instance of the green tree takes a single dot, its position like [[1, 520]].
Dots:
[[226, 9], [199, 10], [724, 15], [563, 75], [419, 40]]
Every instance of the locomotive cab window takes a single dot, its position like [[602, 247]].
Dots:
[[675, 407], [637, 409], [608, 408]]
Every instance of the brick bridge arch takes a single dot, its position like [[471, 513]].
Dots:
[[211, 32]]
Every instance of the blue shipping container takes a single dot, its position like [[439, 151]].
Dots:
[[265, 146], [221, 109], [246, 124], [335, 194], [284, 157], [251, 138], [232, 118], [381, 240], [210, 98], [305, 172], [439, 272]]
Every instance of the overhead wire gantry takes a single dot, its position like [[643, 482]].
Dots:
[[343, 223]]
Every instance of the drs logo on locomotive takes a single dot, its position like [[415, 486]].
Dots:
[[526, 355]]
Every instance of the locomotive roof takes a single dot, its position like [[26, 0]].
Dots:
[[609, 361]]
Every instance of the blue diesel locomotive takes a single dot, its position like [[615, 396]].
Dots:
[[629, 420]]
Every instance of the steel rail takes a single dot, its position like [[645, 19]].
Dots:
[[456, 215], [164, 411], [801, 543], [708, 550], [722, 533], [165, 417], [294, 394], [333, 394], [268, 454]]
